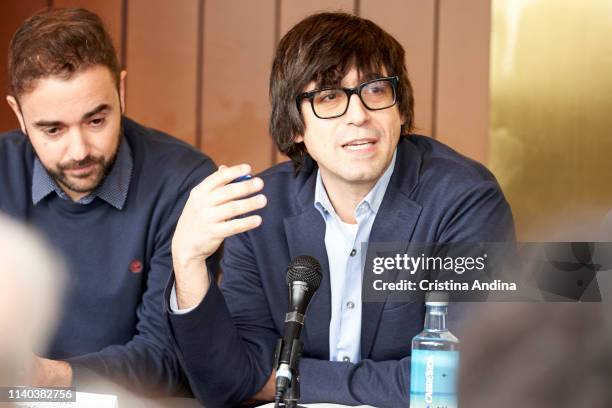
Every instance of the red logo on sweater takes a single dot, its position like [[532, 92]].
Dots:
[[135, 266]]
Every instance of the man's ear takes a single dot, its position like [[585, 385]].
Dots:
[[15, 107], [122, 90]]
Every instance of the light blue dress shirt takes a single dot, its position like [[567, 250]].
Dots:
[[343, 244]]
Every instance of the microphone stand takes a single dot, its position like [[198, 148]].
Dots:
[[292, 394], [303, 279]]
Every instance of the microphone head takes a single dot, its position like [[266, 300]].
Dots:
[[307, 269]]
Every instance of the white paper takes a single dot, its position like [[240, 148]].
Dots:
[[83, 400]]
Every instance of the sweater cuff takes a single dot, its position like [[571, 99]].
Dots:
[[87, 372]]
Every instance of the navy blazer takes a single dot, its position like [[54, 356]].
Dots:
[[227, 342]]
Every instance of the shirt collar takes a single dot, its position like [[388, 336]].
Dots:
[[113, 189], [371, 201]]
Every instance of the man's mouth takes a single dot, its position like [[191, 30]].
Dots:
[[81, 169], [86, 163], [360, 144]]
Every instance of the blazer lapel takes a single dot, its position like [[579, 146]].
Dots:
[[395, 222], [305, 234]]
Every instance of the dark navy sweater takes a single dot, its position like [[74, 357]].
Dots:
[[119, 260]]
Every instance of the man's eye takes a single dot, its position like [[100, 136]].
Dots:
[[97, 122], [328, 96], [54, 131], [377, 88]]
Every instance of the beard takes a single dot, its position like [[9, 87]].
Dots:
[[88, 181]]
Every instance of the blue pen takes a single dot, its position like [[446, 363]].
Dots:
[[242, 178]]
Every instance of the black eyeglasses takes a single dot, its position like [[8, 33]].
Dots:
[[331, 103]]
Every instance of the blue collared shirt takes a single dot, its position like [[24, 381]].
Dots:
[[343, 244], [113, 189]]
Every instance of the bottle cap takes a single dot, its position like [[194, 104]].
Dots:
[[432, 303], [436, 299]]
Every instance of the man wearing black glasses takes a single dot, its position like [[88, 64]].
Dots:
[[342, 111]]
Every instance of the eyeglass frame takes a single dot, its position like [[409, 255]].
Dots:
[[349, 92]]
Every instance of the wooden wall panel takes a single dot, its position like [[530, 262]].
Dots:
[[108, 10], [292, 11], [199, 69], [12, 14], [462, 117], [411, 22], [238, 43], [162, 45]]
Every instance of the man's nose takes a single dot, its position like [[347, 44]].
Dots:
[[79, 146], [356, 113]]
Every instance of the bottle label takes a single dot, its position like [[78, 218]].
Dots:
[[433, 379]]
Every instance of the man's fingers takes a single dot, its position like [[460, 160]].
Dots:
[[239, 207], [223, 176], [234, 191], [238, 225]]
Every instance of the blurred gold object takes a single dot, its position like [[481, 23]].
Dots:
[[551, 112]]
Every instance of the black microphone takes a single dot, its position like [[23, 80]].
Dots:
[[303, 279]]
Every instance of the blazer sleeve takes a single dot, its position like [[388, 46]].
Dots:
[[226, 344]]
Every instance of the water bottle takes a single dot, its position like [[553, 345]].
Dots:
[[434, 362]]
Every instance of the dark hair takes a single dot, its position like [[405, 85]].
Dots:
[[323, 48], [58, 42]]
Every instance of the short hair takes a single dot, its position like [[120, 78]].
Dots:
[[323, 48], [58, 42]]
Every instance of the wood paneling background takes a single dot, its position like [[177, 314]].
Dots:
[[12, 13], [412, 23], [462, 70], [198, 69], [238, 38], [162, 64]]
